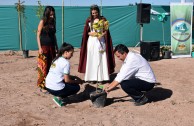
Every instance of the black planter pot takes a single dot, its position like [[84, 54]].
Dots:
[[166, 54], [25, 53], [98, 98]]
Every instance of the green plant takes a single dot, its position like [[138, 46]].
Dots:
[[39, 12], [165, 48], [192, 48], [20, 7]]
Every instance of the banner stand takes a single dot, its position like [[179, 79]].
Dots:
[[181, 29]]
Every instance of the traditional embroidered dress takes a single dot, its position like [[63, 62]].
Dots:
[[42, 71], [44, 63]]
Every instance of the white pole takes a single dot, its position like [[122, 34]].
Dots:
[[62, 21], [101, 6]]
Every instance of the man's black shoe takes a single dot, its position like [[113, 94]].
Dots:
[[131, 100], [141, 101]]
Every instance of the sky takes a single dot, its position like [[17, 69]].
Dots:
[[90, 2]]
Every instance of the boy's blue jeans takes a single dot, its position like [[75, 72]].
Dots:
[[68, 90], [134, 87]]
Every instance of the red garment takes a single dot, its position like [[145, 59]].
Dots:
[[83, 51], [44, 63]]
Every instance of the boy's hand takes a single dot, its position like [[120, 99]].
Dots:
[[80, 81]]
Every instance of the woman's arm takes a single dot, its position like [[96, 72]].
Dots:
[[40, 26], [91, 33], [103, 34], [56, 45]]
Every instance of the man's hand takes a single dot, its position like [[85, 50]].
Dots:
[[106, 88]]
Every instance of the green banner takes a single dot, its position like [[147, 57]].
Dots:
[[181, 29]]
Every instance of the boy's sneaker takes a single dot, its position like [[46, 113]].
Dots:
[[58, 101], [65, 100], [143, 100]]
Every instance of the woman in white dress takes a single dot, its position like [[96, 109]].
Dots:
[[98, 61]]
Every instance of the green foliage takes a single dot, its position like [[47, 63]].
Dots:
[[100, 86], [20, 7], [165, 48], [192, 48], [21, 10], [40, 10]]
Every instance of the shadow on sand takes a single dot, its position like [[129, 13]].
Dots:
[[155, 95], [82, 96], [159, 94]]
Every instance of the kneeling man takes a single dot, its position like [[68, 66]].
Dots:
[[135, 76]]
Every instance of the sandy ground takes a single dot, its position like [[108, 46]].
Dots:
[[22, 103]]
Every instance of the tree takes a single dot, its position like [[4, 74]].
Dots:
[[20, 9]]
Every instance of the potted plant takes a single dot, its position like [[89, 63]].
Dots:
[[166, 52], [192, 53], [98, 97]]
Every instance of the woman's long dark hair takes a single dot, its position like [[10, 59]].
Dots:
[[46, 18], [64, 47], [94, 7]]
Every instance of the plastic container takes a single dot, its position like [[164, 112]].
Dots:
[[98, 98]]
